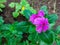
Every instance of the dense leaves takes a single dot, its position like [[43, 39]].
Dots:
[[20, 7], [47, 37]]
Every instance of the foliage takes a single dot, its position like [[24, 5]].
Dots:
[[20, 7], [24, 32]]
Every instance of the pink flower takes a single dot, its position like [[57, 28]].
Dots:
[[41, 23], [34, 16]]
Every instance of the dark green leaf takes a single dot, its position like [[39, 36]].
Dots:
[[5, 27], [32, 29], [58, 29], [44, 8], [42, 43], [47, 37], [27, 13], [23, 26], [34, 38], [52, 18], [57, 42], [1, 20]]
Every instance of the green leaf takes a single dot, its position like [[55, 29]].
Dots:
[[1, 20], [47, 37], [32, 29], [52, 18], [2, 6], [12, 5], [12, 41], [23, 2], [12, 28], [27, 42], [34, 38], [58, 29], [42, 43], [5, 27], [33, 10], [15, 14], [51, 25], [58, 42], [0, 10], [44, 8], [27, 13], [2, 1], [23, 26], [18, 7]]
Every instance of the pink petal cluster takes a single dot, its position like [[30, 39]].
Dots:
[[41, 23]]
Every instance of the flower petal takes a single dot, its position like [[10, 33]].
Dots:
[[45, 28], [41, 13], [38, 21], [39, 29], [32, 17]]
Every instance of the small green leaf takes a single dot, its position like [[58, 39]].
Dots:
[[12, 5], [2, 6], [44, 8], [33, 10], [23, 2], [18, 7], [15, 14]]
